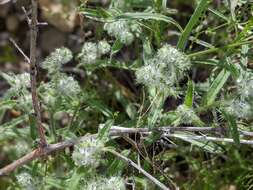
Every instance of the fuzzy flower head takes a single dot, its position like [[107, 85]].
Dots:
[[68, 86], [241, 109], [123, 30], [56, 59], [18, 82], [100, 183], [88, 152], [25, 180], [92, 51], [164, 70], [245, 86]]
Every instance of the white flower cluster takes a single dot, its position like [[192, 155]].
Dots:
[[112, 183], [25, 180], [68, 86], [56, 59], [19, 88], [164, 70], [123, 30], [245, 86], [241, 107], [88, 152], [92, 51], [18, 82]]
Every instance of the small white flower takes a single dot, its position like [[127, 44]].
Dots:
[[91, 51], [56, 59], [126, 37], [18, 82], [25, 180], [88, 152], [68, 86], [241, 109], [103, 47], [123, 30], [22, 148], [164, 70], [245, 86], [101, 183]]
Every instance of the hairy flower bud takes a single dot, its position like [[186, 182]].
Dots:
[[88, 152], [68, 86], [91, 51], [242, 109], [123, 30], [103, 47], [164, 70], [101, 183], [18, 82], [56, 59], [25, 180]]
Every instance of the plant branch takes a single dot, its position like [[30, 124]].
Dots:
[[37, 153], [120, 131], [208, 138], [20, 50], [33, 72], [139, 168]]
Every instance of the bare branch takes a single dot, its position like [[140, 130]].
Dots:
[[20, 50], [115, 131], [37, 153], [139, 168], [207, 138], [28, 20], [33, 72]]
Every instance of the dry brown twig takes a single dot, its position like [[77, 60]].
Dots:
[[32, 61], [33, 24], [115, 131]]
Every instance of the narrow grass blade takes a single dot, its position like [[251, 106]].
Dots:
[[233, 127], [199, 11], [215, 87], [188, 101]]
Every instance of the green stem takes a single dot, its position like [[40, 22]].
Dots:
[[212, 50]]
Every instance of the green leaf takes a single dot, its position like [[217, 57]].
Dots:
[[100, 106], [218, 14], [33, 128], [188, 101], [13, 123], [74, 181], [215, 87], [113, 15], [233, 127], [7, 104], [105, 129], [199, 11], [116, 46], [128, 106]]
